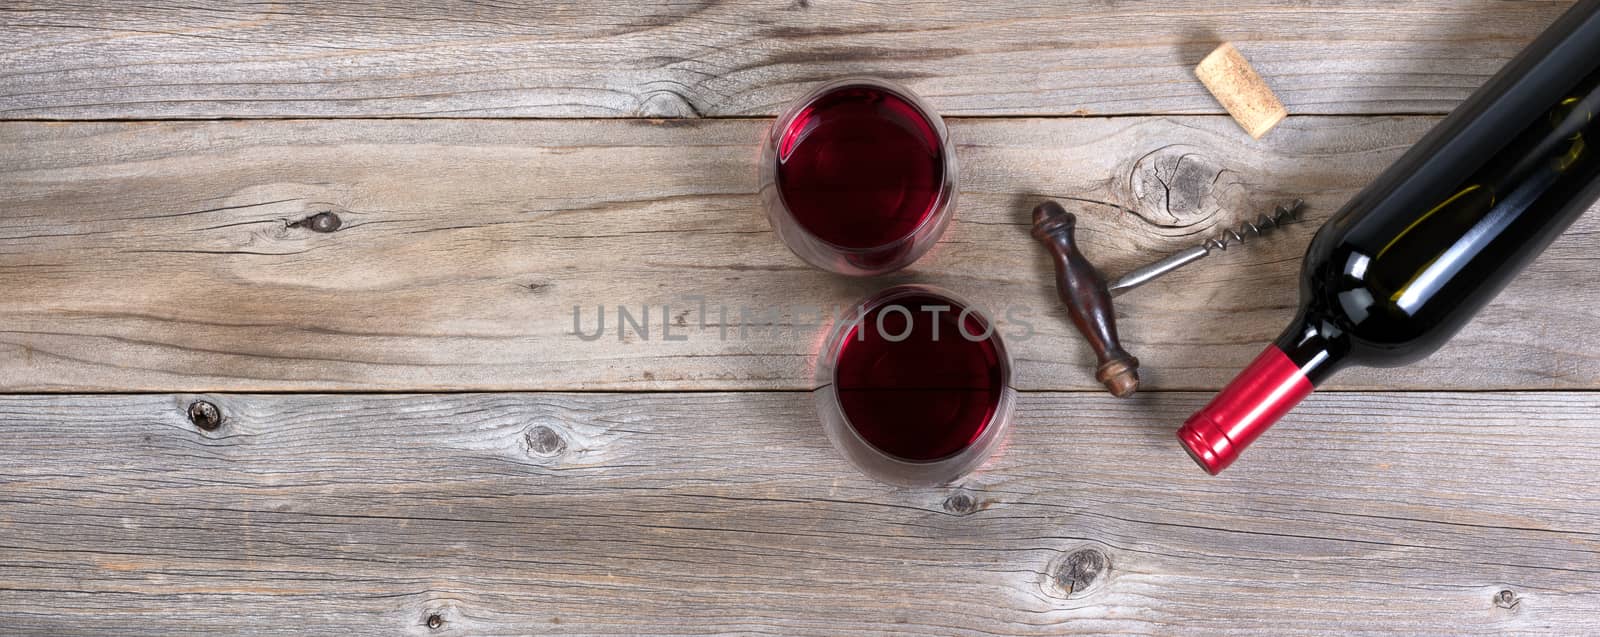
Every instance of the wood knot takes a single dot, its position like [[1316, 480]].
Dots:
[[1072, 575], [1506, 599], [205, 415], [1178, 186], [667, 103], [961, 503], [435, 621], [324, 222], [545, 442]]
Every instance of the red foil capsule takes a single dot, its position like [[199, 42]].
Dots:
[[1257, 397]]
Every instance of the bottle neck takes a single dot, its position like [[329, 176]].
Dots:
[[1315, 345]]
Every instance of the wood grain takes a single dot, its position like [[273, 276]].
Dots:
[[447, 253], [686, 58], [1394, 513], [177, 257]]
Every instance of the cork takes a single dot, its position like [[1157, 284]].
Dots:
[[1240, 90]]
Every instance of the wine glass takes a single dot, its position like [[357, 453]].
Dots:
[[914, 386], [859, 177]]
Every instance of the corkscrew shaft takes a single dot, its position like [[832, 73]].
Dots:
[[1145, 274], [1233, 236]]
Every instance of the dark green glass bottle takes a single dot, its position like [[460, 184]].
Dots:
[[1408, 262]]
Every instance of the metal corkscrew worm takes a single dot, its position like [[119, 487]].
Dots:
[[1263, 224], [1088, 298]]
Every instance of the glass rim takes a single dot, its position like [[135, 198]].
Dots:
[[940, 210], [882, 465]]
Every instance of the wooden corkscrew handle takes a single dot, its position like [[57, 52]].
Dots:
[[1083, 290]]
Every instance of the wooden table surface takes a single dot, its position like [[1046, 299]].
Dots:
[[415, 442]]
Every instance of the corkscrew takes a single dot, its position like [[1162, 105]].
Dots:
[[1244, 233], [1088, 297]]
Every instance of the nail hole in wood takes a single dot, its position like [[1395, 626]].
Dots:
[[205, 415], [546, 442]]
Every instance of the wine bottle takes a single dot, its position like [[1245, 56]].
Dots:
[[1407, 262]]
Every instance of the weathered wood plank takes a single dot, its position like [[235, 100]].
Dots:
[[688, 513], [558, 59], [175, 257]]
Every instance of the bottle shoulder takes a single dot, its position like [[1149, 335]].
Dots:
[[1351, 299]]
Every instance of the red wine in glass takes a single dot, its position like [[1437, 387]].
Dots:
[[859, 177], [915, 386]]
